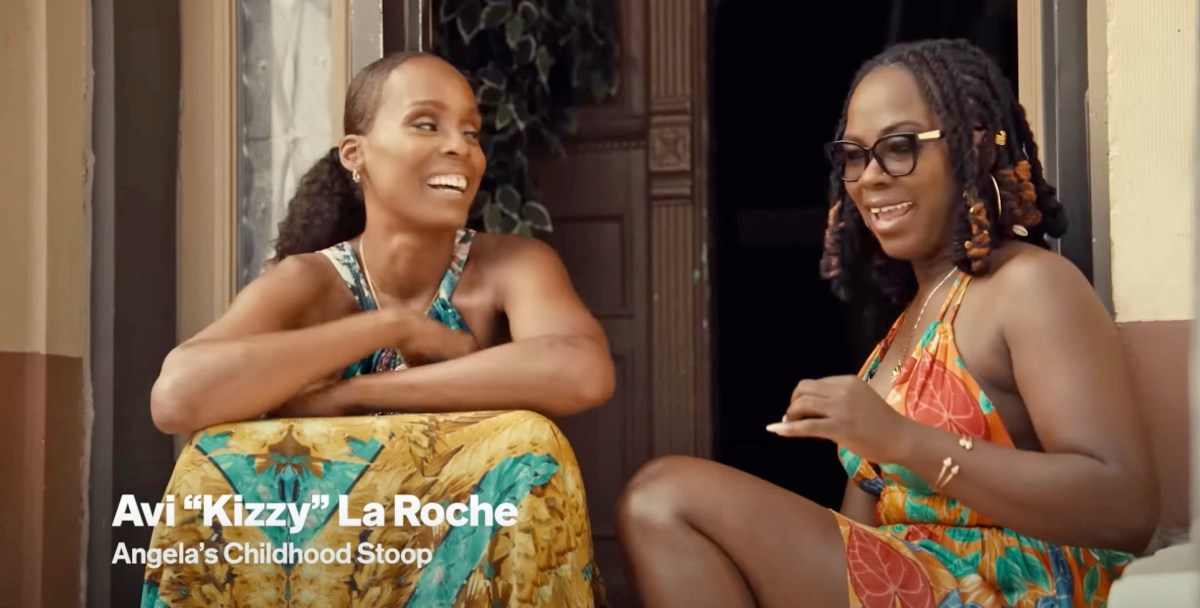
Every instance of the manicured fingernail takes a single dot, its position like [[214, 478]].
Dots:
[[775, 427]]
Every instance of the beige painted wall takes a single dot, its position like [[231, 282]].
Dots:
[[17, 34], [1150, 126], [42, 166]]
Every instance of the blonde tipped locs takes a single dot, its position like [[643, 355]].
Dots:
[[979, 246]]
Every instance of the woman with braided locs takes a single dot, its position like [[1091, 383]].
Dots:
[[997, 460]]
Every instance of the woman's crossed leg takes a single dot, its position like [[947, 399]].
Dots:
[[698, 533]]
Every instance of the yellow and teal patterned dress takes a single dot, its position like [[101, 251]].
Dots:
[[494, 457], [931, 551]]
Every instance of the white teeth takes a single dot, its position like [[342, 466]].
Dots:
[[896, 207], [457, 182]]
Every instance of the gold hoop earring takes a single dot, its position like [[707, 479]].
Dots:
[[1017, 229]]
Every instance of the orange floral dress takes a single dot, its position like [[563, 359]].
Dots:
[[930, 550]]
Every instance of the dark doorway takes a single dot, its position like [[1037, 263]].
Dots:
[[780, 74]]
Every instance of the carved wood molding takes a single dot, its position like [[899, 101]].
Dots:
[[671, 137], [670, 143], [677, 167]]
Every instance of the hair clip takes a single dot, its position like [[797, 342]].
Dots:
[[1001, 138]]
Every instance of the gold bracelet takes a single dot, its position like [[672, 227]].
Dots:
[[949, 469]]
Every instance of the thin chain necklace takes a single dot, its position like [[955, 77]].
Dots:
[[362, 253], [916, 324]]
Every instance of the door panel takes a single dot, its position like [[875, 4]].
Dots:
[[630, 222], [598, 198]]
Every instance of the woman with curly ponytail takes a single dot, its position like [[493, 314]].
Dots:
[[991, 442], [379, 301]]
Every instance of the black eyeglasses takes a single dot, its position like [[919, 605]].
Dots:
[[896, 153]]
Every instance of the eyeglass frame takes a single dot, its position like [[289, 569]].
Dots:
[[919, 138]]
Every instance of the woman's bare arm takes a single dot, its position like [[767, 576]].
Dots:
[[1095, 486], [858, 505], [558, 362], [259, 353]]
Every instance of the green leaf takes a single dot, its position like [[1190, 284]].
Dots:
[[509, 199], [544, 62], [959, 566], [600, 88], [537, 216], [1008, 579], [469, 19], [522, 229], [494, 76], [490, 95], [493, 217], [1110, 559], [918, 511], [483, 199], [496, 13], [514, 30], [504, 116], [1090, 582], [528, 11], [526, 50], [965, 535], [1035, 571], [521, 115]]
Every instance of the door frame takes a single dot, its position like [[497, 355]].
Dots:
[[1063, 87], [206, 228], [208, 184]]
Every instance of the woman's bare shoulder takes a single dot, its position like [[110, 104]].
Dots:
[[1025, 268], [499, 251], [299, 291], [1035, 289]]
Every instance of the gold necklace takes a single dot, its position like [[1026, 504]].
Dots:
[[362, 253], [917, 324]]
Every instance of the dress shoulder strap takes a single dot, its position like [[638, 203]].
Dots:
[[957, 290], [345, 261], [442, 309]]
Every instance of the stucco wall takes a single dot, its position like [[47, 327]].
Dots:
[[1151, 63], [44, 237]]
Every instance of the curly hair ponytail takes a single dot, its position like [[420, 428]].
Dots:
[[326, 210]]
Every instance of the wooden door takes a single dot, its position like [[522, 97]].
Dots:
[[629, 209]]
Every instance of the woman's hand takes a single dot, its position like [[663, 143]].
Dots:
[[847, 411], [423, 340]]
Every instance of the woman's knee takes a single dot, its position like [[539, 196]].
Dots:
[[659, 492]]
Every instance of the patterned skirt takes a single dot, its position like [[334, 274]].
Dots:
[[923, 565], [474, 509]]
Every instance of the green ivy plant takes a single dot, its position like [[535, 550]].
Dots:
[[531, 62]]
